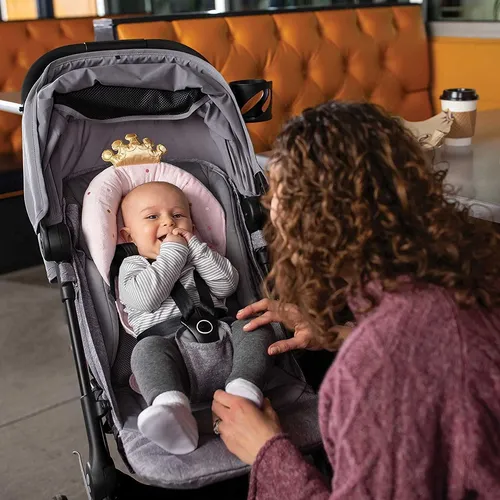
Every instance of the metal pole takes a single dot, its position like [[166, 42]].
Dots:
[[45, 9], [102, 7], [221, 5], [425, 11]]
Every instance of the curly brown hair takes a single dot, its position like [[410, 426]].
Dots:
[[356, 191]]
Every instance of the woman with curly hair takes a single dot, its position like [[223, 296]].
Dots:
[[411, 406]]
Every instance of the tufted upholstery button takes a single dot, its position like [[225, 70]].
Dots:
[[305, 69], [29, 30], [345, 63], [22, 43], [277, 34], [382, 58]]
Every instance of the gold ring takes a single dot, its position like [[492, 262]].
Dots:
[[216, 426]]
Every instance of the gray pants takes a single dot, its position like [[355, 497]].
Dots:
[[158, 365]]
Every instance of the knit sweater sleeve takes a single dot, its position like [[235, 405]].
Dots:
[[380, 410], [280, 471], [217, 272]]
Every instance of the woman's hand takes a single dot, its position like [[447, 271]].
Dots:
[[243, 427], [290, 316]]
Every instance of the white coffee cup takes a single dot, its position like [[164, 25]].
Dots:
[[462, 103]]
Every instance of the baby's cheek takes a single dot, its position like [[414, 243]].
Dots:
[[150, 233]]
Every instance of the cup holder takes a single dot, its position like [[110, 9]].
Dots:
[[254, 97]]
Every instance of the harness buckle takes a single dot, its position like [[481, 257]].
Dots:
[[202, 325]]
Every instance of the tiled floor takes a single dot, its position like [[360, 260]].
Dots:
[[40, 417]]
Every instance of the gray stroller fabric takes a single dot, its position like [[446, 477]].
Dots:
[[62, 155], [145, 68], [109, 356], [208, 365], [211, 462]]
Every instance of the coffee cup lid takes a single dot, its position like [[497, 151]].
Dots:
[[459, 95]]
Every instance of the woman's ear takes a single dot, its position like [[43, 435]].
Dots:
[[125, 234]]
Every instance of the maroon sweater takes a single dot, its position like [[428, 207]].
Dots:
[[410, 409]]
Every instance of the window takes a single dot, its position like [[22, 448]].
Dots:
[[31, 9], [464, 10]]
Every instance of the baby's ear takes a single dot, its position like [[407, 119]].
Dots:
[[125, 234]]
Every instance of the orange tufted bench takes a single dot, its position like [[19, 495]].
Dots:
[[311, 55], [22, 43]]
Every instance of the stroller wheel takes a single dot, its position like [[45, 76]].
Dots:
[[60, 497]]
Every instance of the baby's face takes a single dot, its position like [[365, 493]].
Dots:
[[150, 212]]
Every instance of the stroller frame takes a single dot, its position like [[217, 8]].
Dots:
[[102, 480]]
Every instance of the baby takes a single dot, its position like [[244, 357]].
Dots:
[[158, 221]]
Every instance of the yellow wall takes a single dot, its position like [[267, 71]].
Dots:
[[26, 9], [72, 8], [467, 62], [13, 10]]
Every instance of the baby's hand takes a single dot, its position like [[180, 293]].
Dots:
[[182, 232], [175, 238]]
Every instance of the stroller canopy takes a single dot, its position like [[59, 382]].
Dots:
[[116, 87]]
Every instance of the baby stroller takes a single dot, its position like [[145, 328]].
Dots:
[[77, 100]]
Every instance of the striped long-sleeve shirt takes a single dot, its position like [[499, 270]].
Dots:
[[145, 288]]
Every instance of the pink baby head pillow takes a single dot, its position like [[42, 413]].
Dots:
[[101, 220]]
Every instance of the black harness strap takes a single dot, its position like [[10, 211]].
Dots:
[[204, 293], [121, 252], [200, 320], [182, 300]]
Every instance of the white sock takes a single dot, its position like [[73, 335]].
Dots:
[[245, 389], [169, 423]]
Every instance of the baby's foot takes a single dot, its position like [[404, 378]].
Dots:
[[169, 423], [245, 389]]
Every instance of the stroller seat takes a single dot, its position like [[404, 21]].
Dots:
[[70, 117], [211, 461]]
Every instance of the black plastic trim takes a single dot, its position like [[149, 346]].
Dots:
[[55, 242], [100, 467]]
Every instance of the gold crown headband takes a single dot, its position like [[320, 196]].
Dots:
[[133, 153]]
